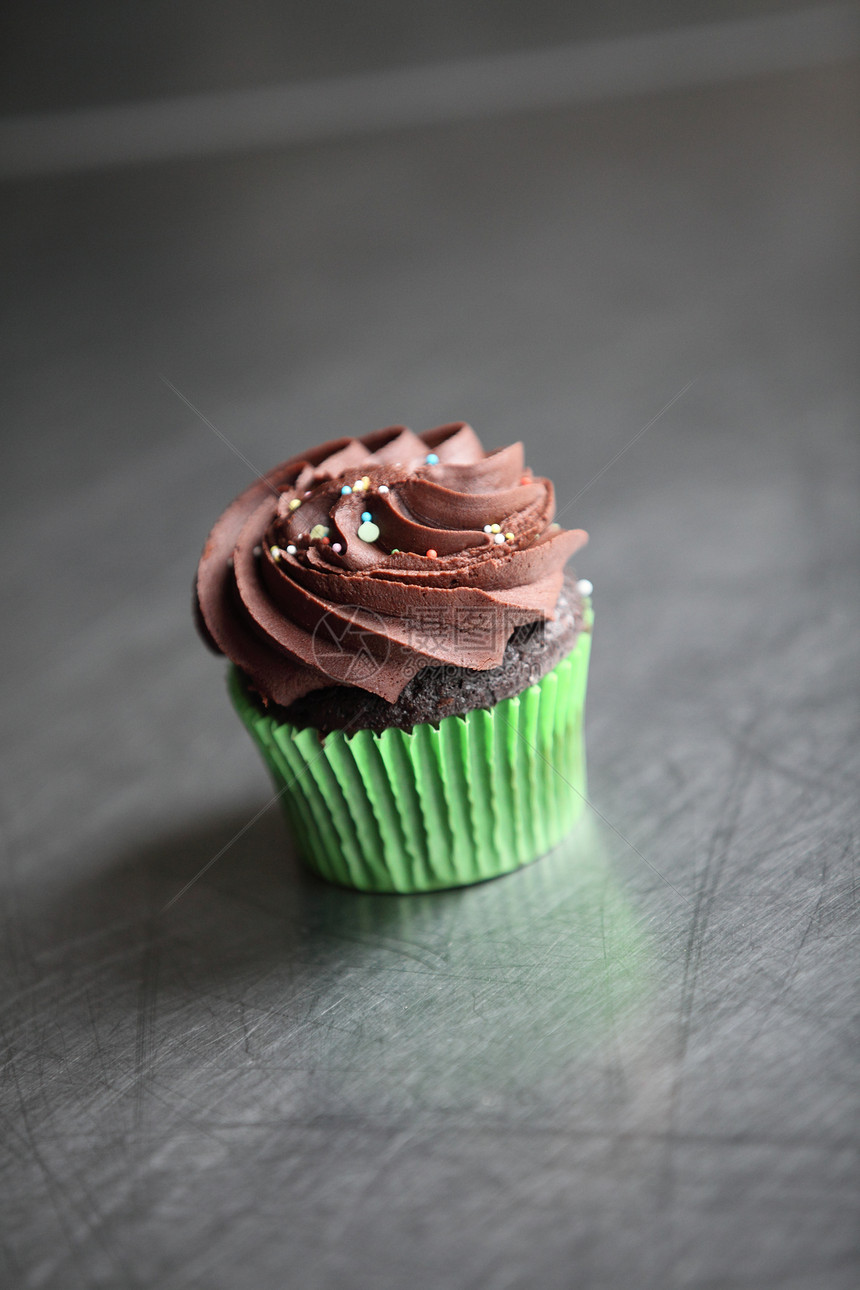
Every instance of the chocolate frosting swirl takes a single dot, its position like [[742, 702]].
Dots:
[[302, 592]]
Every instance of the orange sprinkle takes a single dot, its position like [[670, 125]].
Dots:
[[431, 554]]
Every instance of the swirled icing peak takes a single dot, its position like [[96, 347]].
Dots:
[[365, 560]]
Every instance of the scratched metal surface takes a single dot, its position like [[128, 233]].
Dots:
[[633, 1063]]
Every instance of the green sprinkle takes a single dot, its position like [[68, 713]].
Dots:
[[368, 531]]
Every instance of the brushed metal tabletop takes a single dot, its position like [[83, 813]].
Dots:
[[634, 1062]]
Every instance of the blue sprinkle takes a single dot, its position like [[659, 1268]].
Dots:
[[432, 459], [346, 489], [366, 515]]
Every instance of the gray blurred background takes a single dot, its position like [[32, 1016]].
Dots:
[[627, 235]]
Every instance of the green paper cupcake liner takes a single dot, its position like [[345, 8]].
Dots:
[[445, 805]]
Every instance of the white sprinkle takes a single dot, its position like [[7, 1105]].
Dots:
[[258, 551], [498, 538], [383, 488], [584, 587], [291, 550], [336, 547], [488, 528], [229, 562]]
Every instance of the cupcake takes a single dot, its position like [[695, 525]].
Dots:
[[407, 653]]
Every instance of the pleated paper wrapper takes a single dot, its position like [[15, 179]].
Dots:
[[443, 805]]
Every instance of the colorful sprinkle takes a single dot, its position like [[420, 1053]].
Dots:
[[525, 480], [295, 503], [584, 587], [291, 550], [357, 486], [368, 531], [432, 459], [495, 528], [555, 527], [276, 553], [498, 538], [318, 531], [431, 554], [336, 547], [365, 516], [395, 550], [383, 489], [509, 537], [345, 491]]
